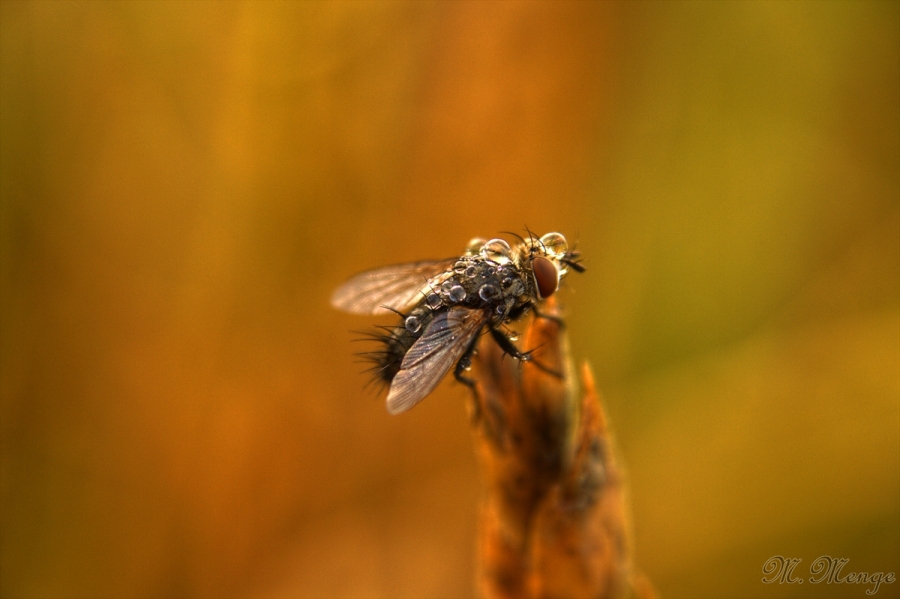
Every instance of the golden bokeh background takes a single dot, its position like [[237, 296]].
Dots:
[[183, 184]]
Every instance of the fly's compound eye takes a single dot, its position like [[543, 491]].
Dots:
[[546, 275]]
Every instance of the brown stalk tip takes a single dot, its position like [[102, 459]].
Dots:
[[553, 523]]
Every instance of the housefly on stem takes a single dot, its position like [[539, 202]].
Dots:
[[445, 304]]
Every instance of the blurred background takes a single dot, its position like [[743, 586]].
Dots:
[[183, 184]]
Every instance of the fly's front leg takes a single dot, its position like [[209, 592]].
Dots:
[[559, 321], [509, 347]]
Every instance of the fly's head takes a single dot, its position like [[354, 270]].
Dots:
[[547, 260]]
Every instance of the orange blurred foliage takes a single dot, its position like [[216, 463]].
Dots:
[[183, 184]]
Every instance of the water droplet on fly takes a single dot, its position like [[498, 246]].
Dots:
[[413, 324], [475, 245], [496, 250], [488, 292], [434, 300], [554, 244], [457, 293]]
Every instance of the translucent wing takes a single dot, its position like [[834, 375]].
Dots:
[[396, 287], [432, 355]]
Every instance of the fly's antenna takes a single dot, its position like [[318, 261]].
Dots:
[[572, 259], [576, 266]]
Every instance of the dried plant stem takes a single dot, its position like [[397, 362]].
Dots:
[[553, 522]]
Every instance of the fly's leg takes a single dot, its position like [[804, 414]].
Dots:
[[519, 312], [509, 347], [462, 365], [559, 321]]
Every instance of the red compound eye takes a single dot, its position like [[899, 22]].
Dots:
[[546, 275]]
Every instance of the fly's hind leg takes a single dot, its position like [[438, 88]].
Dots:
[[509, 347]]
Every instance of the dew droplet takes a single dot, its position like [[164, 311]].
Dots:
[[460, 267], [434, 300], [457, 293], [488, 292], [475, 245], [496, 250], [471, 270], [413, 324], [554, 244], [446, 286]]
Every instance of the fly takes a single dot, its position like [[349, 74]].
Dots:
[[445, 304]]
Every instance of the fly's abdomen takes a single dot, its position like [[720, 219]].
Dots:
[[398, 341]]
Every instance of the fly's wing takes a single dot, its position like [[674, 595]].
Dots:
[[396, 287], [432, 355]]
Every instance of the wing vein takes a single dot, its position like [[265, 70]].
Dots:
[[382, 290]]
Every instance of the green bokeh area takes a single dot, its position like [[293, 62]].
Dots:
[[183, 185]]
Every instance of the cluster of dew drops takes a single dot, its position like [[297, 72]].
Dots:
[[497, 251]]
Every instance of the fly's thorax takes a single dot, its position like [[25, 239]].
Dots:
[[480, 283], [494, 277]]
